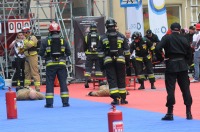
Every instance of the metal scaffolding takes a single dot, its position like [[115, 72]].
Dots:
[[16, 9], [40, 21]]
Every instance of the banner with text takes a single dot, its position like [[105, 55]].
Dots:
[[135, 18], [81, 28], [157, 17]]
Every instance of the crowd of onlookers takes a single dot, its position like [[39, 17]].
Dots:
[[190, 34]]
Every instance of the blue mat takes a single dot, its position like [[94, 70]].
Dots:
[[85, 116]]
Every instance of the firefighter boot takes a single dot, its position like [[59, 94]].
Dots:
[[65, 101], [115, 101], [48, 106], [153, 86], [123, 98], [49, 103], [169, 115], [188, 113], [141, 86], [86, 84]]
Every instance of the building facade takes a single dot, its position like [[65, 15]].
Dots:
[[183, 11]]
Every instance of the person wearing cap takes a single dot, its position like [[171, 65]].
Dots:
[[196, 57], [31, 63], [177, 53], [154, 39]]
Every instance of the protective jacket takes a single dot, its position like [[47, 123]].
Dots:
[[30, 45], [55, 50]]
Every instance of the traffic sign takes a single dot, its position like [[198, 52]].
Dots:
[[128, 3]]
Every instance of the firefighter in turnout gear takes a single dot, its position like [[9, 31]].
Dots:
[[31, 62], [90, 48], [114, 49], [143, 47], [55, 50]]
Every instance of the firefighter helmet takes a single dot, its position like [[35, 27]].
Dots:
[[54, 27], [136, 35], [93, 27], [110, 23]]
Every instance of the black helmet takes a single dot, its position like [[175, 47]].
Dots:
[[136, 35], [110, 23], [93, 27]]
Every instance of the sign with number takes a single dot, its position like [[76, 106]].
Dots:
[[128, 3], [0, 28], [15, 25], [11, 27]]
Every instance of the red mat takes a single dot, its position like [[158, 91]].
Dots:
[[148, 99]]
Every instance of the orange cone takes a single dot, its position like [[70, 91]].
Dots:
[[56, 82]]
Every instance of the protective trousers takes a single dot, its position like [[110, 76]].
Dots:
[[90, 60], [31, 70], [115, 73], [61, 72], [144, 67], [184, 83]]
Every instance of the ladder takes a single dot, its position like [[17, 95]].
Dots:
[[40, 21]]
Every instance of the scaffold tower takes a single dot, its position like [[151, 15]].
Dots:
[[42, 13], [10, 9]]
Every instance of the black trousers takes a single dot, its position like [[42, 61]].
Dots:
[[61, 72], [184, 84], [116, 74], [144, 67], [90, 60], [19, 65]]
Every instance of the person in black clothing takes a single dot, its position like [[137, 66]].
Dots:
[[154, 39], [189, 36], [177, 53], [143, 47], [114, 49]]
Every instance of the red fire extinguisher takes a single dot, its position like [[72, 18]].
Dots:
[[115, 123], [11, 104]]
